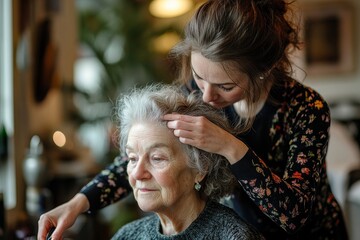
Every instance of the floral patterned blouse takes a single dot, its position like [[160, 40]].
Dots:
[[284, 190]]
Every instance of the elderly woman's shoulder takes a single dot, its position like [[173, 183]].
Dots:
[[216, 209], [229, 223]]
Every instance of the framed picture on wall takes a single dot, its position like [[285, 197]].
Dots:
[[328, 38]]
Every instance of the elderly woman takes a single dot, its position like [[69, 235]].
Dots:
[[179, 183]]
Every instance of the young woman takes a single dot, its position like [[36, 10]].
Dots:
[[235, 56]]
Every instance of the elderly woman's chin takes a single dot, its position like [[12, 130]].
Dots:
[[147, 203]]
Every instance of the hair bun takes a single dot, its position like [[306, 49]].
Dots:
[[276, 6]]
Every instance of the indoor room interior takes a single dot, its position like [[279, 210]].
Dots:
[[64, 62]]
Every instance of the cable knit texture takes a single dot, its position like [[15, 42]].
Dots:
[[215, 222]]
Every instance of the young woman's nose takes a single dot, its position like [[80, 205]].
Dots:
[[209, 93]]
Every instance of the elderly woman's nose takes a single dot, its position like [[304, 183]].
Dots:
[[141, 171]]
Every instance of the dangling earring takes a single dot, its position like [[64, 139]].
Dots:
[[197, 186]]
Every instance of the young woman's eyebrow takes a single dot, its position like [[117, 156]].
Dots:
[[217, 84]]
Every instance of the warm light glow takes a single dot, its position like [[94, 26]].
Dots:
[[169, 8], [165, 42], [59, 139]]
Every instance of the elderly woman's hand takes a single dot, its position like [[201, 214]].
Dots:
[[199, 132]]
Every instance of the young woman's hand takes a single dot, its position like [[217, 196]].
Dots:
[[199, 132], [61, 217]]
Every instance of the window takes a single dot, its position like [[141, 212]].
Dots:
[[7, 176]]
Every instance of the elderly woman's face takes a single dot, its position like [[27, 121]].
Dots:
[[158, 170]]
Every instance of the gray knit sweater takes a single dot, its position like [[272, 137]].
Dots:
[[215, 222]]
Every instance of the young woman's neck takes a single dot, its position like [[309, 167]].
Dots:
[[242, 107]]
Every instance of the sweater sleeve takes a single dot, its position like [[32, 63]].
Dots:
[[287, 197], [109, 186]]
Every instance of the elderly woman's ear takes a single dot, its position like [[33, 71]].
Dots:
[[198, 178]]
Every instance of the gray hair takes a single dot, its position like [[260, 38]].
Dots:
[[150, 103]]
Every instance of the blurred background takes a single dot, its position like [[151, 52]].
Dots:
[[63, 63]]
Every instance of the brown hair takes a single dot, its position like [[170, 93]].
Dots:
[[253, 36]]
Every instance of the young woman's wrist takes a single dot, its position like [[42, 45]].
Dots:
[[234, 150], [80, 203]]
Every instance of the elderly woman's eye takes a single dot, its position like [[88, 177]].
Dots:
[[158, 158], [132, 159]]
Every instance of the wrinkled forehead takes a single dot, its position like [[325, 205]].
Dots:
[[149, 133]]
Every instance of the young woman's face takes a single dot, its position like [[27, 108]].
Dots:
[[218, 87], [158, 171]]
